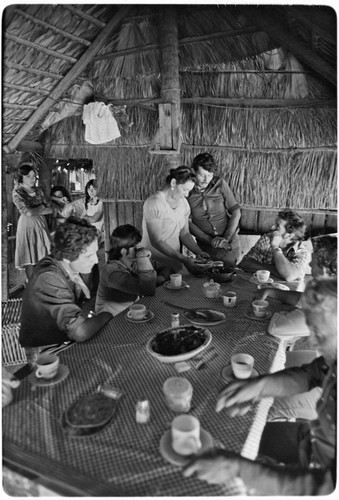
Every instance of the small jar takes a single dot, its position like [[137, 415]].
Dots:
[[211, 289], [142, 411], [175, 321], [178, 393]]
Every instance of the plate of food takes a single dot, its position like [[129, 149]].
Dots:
[[203, 263], [179, 344], [204, 317], [88, 415]]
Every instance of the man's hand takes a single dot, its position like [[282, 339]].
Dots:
[[219, 242], [8, 383], [276, 239], [204, 255], [143, 256], [214, 467], [238, 396]]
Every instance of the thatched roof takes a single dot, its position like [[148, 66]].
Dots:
[[258, 90]]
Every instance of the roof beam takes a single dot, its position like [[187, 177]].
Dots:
[[265, 19], [64, 84], [183, 41], [48, 26], [39, 48]]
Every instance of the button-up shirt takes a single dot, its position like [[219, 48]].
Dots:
[[317, 468], [298, 253], [211, 208]]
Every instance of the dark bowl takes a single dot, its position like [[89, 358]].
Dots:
[[221, 274]]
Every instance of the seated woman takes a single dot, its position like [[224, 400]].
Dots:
[[62, 204], [165, 225], [52, 301], [128, 273]]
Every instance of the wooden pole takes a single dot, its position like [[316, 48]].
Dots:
[[4, 237], [170, 88]]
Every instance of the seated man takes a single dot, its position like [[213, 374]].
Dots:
[[283, 251], [323, 264], [294, 458], [215, 214], [128, 273], [51, 311]]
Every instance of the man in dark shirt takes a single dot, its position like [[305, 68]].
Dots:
[[215, 214], [302, 456], [51, 305]]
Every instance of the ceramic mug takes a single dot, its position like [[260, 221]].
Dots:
[[137, 311], [262, 276], [176, 280], [185, 433], [229, 299], [47, 366], [260, 308], [242, 365]]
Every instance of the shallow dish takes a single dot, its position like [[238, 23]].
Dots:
[[62, 373], [174, 458], [257, 282], [280, 286], [205, 317], [203, 264], [169, 285], [174, 358], [251, 315], [228, 376], [148, 317]]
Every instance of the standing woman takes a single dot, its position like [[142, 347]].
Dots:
[[165, 222], [94, 212], [32, 237]]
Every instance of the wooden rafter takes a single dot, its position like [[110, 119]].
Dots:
[[49, 26], [183, 41], [65, 83], [39, 48], [265, 19]]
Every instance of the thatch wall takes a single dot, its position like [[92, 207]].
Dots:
[[271, 156]]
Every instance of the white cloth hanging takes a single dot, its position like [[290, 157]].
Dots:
[[100, 124]]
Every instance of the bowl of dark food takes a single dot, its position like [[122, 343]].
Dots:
[[179, 344], [221, 274]]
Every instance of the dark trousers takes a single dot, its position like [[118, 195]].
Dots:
[[285, 442]]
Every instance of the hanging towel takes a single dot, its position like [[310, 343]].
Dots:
[[100, 124]]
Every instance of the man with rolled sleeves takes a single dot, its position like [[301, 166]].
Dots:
[[215, 214], [296, 458]]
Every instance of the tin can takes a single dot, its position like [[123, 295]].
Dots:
[[142, 411]]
